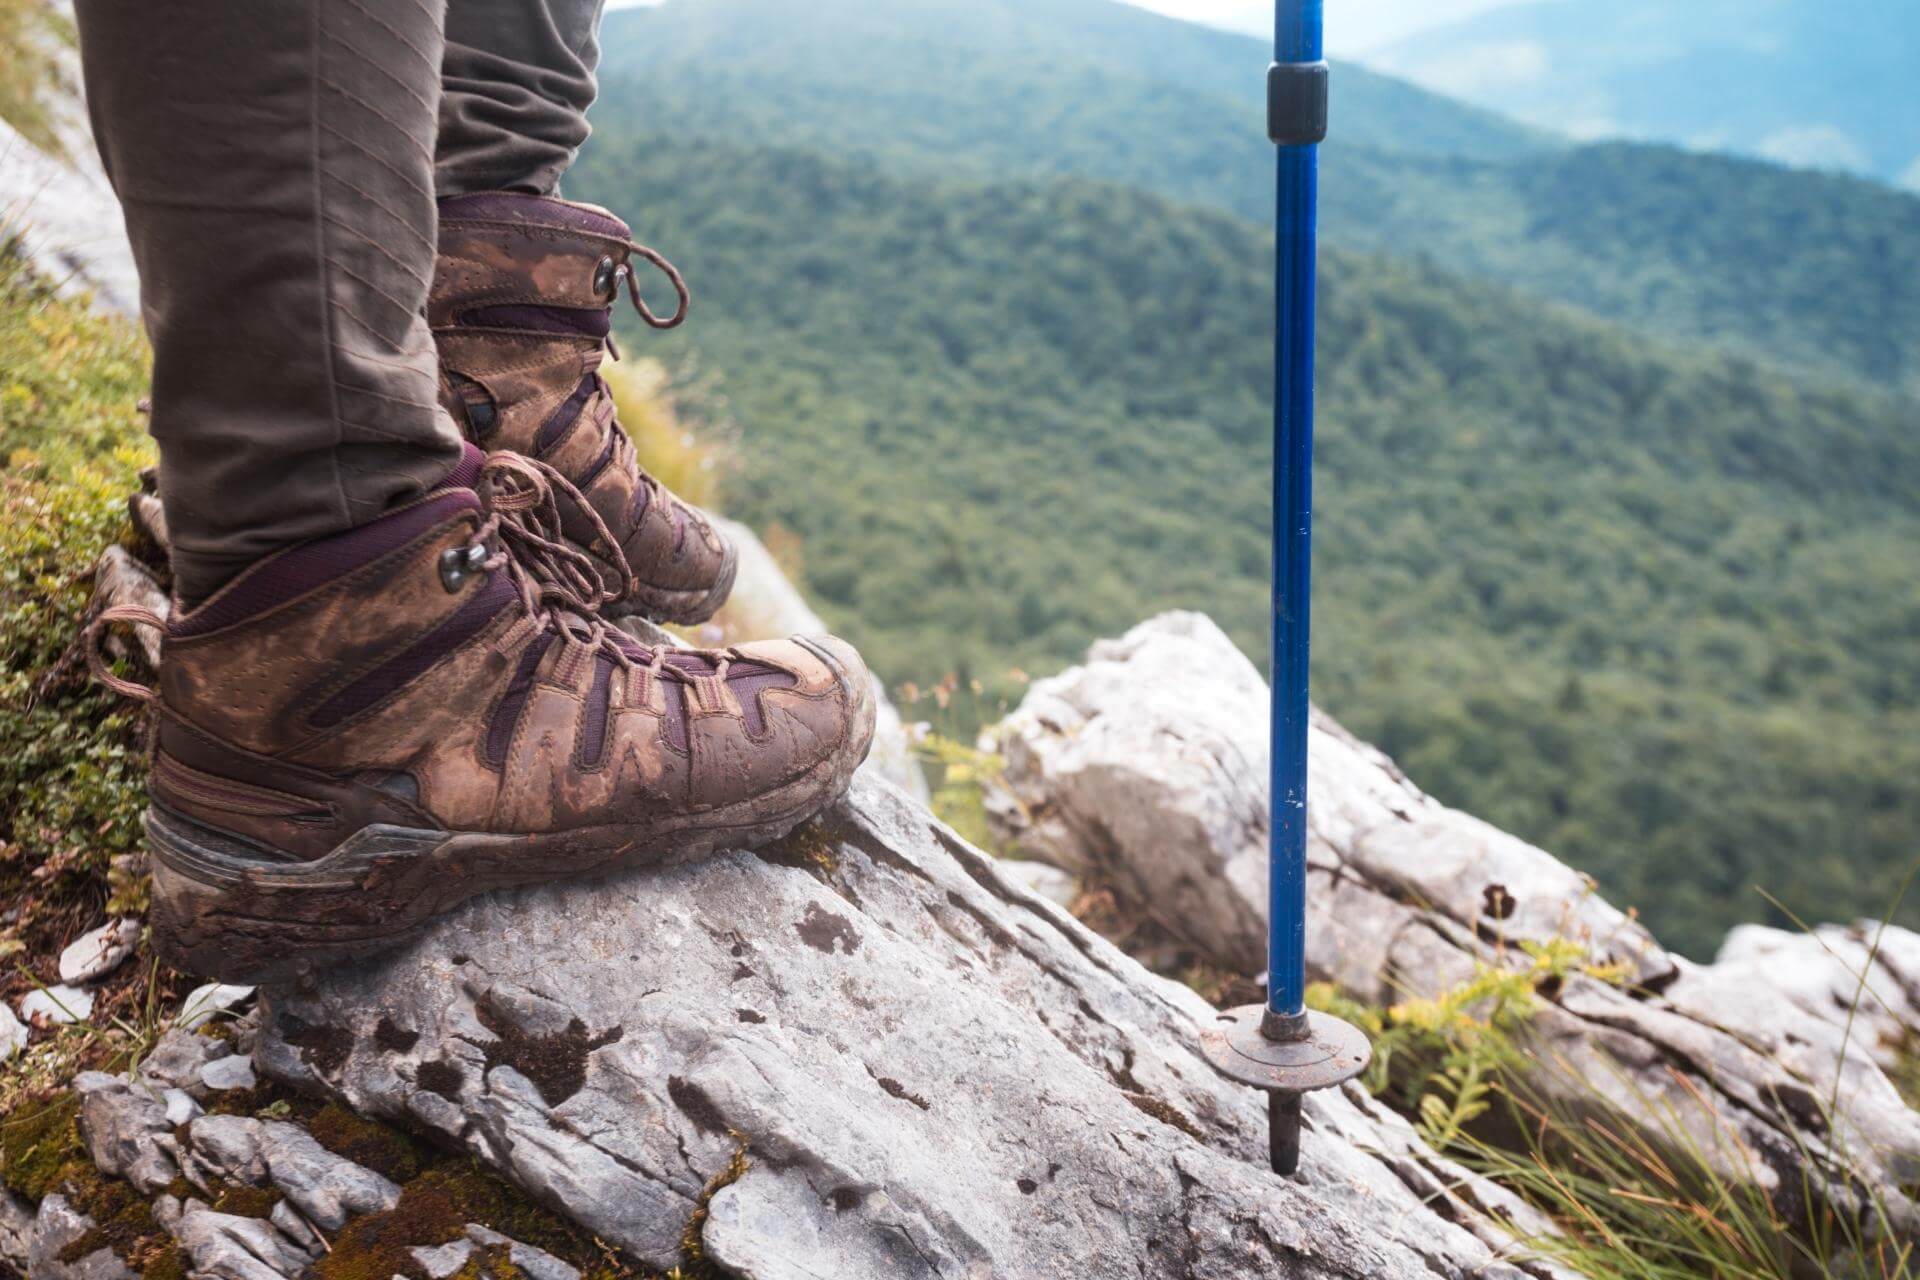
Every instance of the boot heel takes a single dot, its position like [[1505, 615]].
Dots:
[[236, 910]]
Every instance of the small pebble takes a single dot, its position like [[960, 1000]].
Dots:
[[180, 1107], [95, 954], [203, 1003], [55, 1006], [232, 1072], [13, 1036], [1049, 882]]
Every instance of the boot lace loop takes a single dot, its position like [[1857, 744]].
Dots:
[[558, 583], [94, 641], [683, 297]]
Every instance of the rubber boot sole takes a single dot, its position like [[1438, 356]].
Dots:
[[234, 911]]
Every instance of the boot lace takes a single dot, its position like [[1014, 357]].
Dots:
[[557, 581], [600, 408]]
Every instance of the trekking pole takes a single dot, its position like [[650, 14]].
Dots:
[[1281, 1046]]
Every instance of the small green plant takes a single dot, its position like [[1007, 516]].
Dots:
[[1636, 1194], [1640, 1184], [1442, 1057], [71, 755], [957, 773], [34, 36]]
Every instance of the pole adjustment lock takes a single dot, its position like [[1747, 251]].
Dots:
[[1297, 103]]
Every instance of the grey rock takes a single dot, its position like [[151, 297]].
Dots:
[[176, 1059], [231, 1072], [16, 1229], [225, 1148], [537, 1263], [327, 1189], [119, 1122], [66, 210], [13, 1033], [98, 952], [931, 1070], [296, 1228], [56, 1006], [181, 1106], [1862, 979], [226, 1247], [210, 1001], [1058, 887], [1407, 897], [57, 1226], [1185, 836], [442, 1260]]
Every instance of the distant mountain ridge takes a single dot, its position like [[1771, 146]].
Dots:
[[1818, 83], [1819, 274], [910, 62]]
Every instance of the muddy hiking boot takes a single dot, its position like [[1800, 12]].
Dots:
[[363, 731], [522, 308]]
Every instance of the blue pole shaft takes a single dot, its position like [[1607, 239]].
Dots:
[[1297, 39]]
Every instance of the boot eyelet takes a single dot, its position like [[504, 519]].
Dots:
[[606, 279], [457, 564]]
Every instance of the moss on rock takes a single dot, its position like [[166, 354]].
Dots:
[[693, 1245], [40, 1148], [122, 1219], [243, 1201], [385, 1150], [435, 1208]]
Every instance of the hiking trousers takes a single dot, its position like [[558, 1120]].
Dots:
[[278, 163]]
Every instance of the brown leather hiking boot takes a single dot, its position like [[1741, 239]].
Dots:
[[522, 308], [363, 731]]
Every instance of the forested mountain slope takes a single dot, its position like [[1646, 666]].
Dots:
[[1655, 611], [1819, 273], [930, 73]]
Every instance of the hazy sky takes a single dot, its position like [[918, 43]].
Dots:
[[1353, 26]]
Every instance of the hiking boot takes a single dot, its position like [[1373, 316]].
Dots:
[[522, 309], [361, 732]]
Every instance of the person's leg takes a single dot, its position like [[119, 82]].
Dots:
[[519, 77], [275, 162], [405, 698]]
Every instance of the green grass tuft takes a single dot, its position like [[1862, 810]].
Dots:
[[71, 755]]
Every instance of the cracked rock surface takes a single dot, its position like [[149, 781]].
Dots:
[[325, 1188], [120, 1121], [57, 1226], [148, 1131], [1146, 768], [16, 1230], [928, 1069]]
